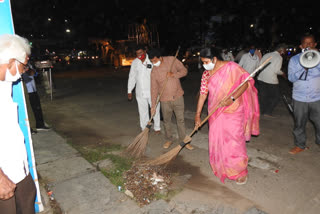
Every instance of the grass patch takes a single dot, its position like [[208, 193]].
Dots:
[[122, 164], [97, 153], [115, 176]]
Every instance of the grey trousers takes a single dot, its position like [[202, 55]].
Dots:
[[302, 112], [176, 107]]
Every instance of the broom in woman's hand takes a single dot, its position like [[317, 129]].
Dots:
[[139, 144], [172, 154]]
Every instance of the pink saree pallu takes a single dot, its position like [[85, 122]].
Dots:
[[231, 126]]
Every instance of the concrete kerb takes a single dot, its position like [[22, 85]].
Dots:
[[76, 185]]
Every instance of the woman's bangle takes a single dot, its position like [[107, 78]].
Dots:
[[233, 99]]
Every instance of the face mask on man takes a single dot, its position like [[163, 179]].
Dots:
[[142, 57], [252, 51], [157, 64], [10, 78], [209, 66]]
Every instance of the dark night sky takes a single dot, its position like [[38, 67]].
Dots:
[[178, 22]]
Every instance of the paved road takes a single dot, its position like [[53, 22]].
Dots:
[[90, 106]]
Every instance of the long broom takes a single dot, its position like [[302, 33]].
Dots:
[[138, 146], [167, 157]]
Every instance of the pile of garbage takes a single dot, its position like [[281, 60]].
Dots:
[[145, 183]]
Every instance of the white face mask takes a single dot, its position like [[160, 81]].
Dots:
[[157, 64], [10, 78], [209, 66]]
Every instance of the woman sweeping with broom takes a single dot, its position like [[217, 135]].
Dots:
[[235, 120]]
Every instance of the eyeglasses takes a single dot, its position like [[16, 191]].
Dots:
[[25, 66]]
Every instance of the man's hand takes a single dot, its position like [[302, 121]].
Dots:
[[129, 96], [170, 74], [7, 187]]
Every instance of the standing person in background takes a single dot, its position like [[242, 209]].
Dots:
[[17, 188], [31, 118], [240, 54], [305, 96], [236, 118], [258, 53], [250, 61], [139, 78], [34, 99], [268, 83], [172, 100], [227, 55]]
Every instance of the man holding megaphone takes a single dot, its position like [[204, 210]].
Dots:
[[304, 73]]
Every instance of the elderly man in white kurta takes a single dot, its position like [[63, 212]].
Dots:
[[139, 78], [17, 188]]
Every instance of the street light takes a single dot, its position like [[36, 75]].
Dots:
[[49, 19], [68, 30]]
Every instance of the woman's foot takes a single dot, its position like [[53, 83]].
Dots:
[[242, 180]]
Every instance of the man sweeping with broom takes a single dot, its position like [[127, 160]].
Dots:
[[171, 99]]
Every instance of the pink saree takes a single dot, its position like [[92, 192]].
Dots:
[[231, 126]]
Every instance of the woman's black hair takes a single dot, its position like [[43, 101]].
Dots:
[[210, 53], [154, 53]]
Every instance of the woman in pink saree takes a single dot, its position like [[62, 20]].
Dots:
[[235, 119]]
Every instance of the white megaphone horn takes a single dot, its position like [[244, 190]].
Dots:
[[310, 58]]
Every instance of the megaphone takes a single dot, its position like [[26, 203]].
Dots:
[[310, 58]]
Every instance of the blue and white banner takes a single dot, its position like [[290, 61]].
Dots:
[[7, 27]]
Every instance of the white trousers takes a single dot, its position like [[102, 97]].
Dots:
[[143, 107]]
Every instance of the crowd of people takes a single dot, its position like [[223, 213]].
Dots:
[[236, 101]]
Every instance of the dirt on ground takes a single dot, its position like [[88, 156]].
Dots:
[[147, 183]]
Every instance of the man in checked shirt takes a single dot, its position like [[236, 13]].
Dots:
[[171, 100]]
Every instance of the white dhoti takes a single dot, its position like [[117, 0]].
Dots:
[[144, 104]]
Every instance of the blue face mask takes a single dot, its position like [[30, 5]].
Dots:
[[251, 51]]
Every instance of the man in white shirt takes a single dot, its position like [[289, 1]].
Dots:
[[250, 61], [139, 78], [268, 83], [17, 188]]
